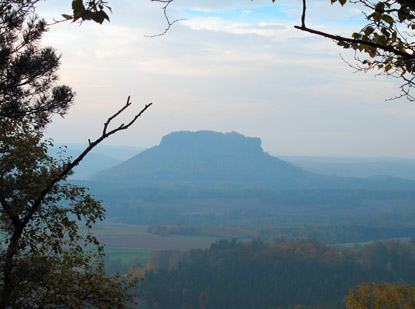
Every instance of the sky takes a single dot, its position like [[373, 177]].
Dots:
[[235, 65]]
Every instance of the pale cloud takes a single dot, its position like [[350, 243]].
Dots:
[[273, 30], [260, 77]]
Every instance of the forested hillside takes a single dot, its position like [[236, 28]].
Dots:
[[255, 274]]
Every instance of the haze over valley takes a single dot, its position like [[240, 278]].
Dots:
[[217, 192], [202, 178], [180, 154]]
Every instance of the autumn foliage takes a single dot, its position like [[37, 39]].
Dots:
[[381, 295]]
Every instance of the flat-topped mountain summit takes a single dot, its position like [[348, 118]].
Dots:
[[205, 158], [215, 160]]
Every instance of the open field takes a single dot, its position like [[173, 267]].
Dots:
[[127, 255], [126, 242], [128, 236]]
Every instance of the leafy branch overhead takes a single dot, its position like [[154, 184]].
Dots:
[[96, 10], [93, 10], [385, 44]]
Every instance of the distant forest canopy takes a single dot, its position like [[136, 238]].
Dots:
[[331, 216], [255, 274], [329, 234]]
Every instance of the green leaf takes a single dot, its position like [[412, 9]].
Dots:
[[385, 32], [99, 17], [343, 44], [402, 15], [78, 6], [66, 16], [342, 2], [78, 9], [374, 16], [380, 7], [388, 19], [369, 30], [87, 15], [381, 40], [371, 51]]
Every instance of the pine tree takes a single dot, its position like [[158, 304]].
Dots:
[[45, 261], [28, 75]]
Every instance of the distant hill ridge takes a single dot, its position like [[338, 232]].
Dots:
[[208, 159]]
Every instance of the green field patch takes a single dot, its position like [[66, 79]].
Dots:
[[119, 228], [119, 235], [126, 255]]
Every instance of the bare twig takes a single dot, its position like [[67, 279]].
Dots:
[[20, 224], [339, 38], [71, 165], [115, 115], [166, 16], [303, 14], [395, 59]]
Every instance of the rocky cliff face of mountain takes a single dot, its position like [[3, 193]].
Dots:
[[213, 160], [206, 158]]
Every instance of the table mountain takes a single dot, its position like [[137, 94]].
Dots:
[[207, 159]]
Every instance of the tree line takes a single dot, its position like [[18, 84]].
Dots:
[[283, 274]]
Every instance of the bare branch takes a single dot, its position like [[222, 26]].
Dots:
[[166, 17], [20, 224], [75, 162], [115, 115], [303, 14], [389, 49], [338, 38]]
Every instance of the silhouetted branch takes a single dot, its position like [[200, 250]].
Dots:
[[391, 51], [303, 14], [339, 38], [166, 16], [71, 165]]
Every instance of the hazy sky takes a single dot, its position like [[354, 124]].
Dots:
[[232, 65]]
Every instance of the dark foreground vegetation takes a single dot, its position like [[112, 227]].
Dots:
[[256, 274]]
